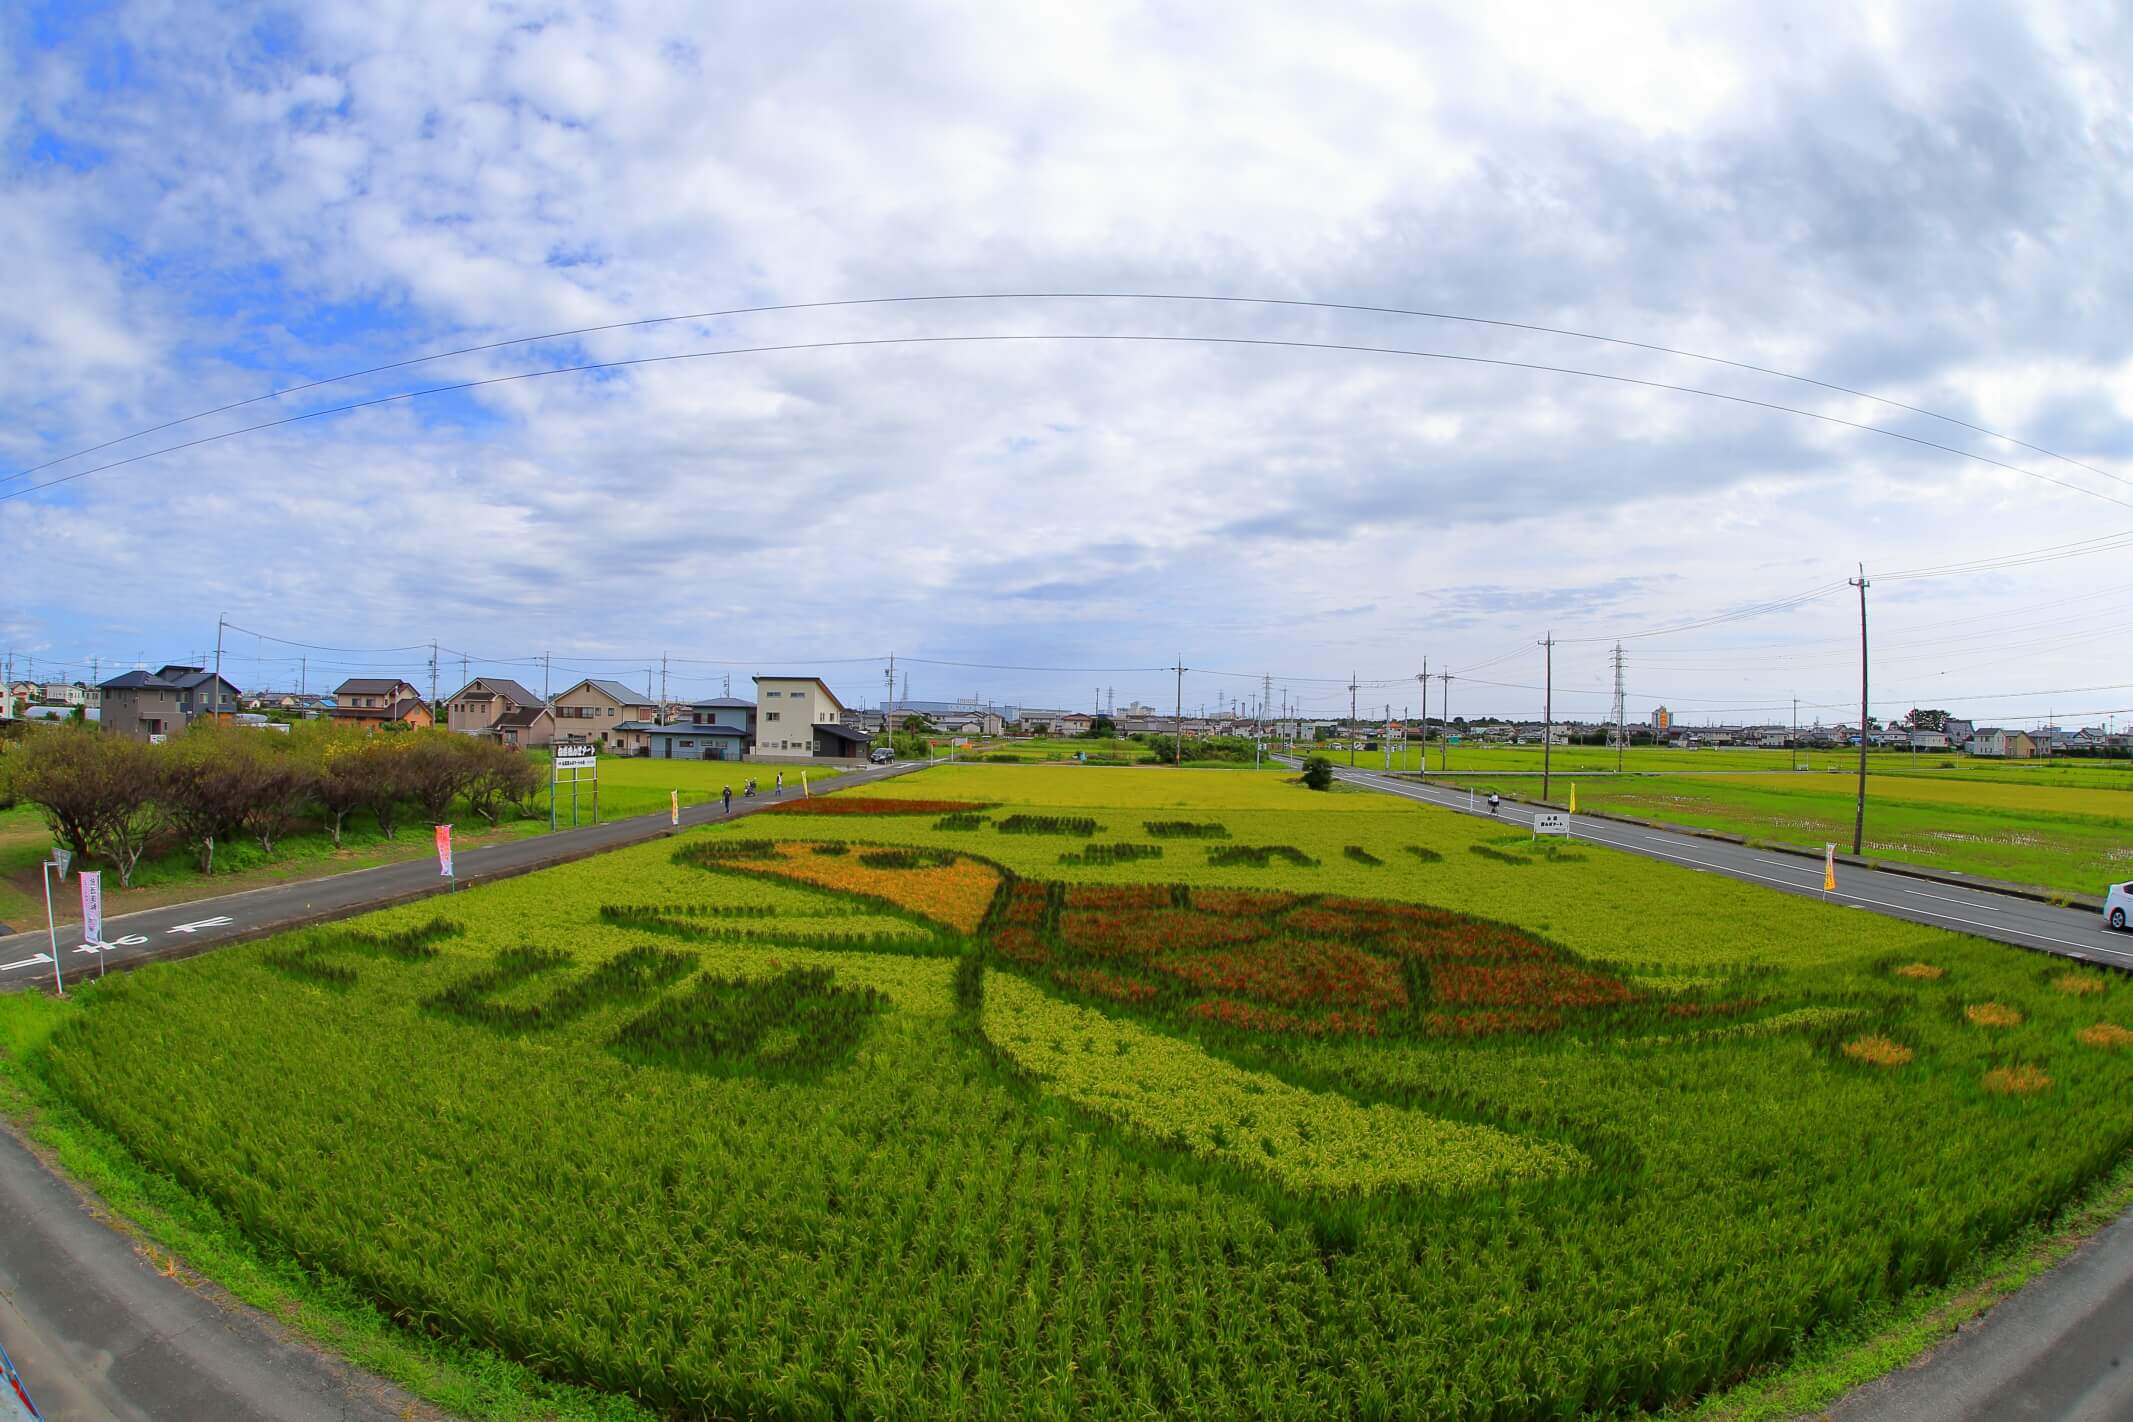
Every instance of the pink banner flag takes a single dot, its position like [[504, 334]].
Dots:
[[444, 850]]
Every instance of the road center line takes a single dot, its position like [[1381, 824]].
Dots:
[[1966, 903]]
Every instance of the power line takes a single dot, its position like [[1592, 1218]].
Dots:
[[1345, 347], [1290, 302]]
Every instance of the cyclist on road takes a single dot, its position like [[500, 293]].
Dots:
[[1494, 800]]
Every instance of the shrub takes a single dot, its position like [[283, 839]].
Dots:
[[1318, 772]]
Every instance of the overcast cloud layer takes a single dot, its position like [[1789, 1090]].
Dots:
[[1931, 203]]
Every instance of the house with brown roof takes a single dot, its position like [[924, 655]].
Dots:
[[475, 708], [596, 709], [527, 727], [371, 702]]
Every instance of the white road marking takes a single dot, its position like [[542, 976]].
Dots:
[[1966, 903], [26, 963], [203, 923]]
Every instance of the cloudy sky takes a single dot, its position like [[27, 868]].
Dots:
[[1927, 203]]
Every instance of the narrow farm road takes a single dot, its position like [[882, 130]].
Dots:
[[2007, 918], [181, 930], [101, 1334]]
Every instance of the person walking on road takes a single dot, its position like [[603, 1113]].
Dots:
[[728, 797], [1494, 800], [781, 785]]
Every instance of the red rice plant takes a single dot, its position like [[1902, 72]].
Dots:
[[1240, 900], [1348, 925], [872, 805], [1295, 974], [1525, 985], [1106, 984], [1023, 945], [1105, 933], [1118, 896], [1470, 941], [1249, 1017]]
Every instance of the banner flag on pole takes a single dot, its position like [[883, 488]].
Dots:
[[92, 906], [1573, 797], [805, 793], [1829, 867], [674, 808], [444, 851]]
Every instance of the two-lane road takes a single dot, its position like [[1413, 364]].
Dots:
[[2009, 918]]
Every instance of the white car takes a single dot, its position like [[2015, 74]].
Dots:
[[2118, 905]]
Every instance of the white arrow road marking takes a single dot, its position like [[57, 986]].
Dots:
[[26, 963], [203, 923]]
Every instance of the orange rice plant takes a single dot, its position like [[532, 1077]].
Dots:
[[1993, 1014], [2022, 1080], [2107, 1035], [1878, 1051], [1295, 974], [1921, 972], [2077, 984], [1241, 900], [956, 893]]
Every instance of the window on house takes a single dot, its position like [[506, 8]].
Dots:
[[770, 715]]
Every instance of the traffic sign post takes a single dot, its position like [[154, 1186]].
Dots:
[[61, 858]]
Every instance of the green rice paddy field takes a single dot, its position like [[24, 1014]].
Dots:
[[1063, 1092]]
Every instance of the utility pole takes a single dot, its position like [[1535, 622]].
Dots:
[[218, 667], [433, 672], [1422, 746], [1547, 711], [1621, 715], [1444, 744], [544, 677], [1179, 745], [888, 696], [1859, 817], [303, 675], [1351, 720], [1795, 733], [662, 685]]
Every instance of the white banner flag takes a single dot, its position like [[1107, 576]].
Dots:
[[92, 906]]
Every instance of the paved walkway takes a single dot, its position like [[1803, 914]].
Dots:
[[180, 930]]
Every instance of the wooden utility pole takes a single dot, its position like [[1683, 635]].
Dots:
[[1351, 720], [1179, 725], [1859, 816]]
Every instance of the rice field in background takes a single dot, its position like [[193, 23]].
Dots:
[[1194, 1093]]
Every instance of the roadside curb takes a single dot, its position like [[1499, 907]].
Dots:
[[2034, 893]]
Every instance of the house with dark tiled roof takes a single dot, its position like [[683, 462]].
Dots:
[[597, 709], [202, 692], [142, 705], [475, 708], [372, 701]]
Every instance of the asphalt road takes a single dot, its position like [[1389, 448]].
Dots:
[[2025, 923], [102, 1334], [181, 930]]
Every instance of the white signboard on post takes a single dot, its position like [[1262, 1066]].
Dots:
[[575, 755], [1551, 822]]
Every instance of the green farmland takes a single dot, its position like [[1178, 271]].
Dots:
[[1004, 1092], [639, 785]]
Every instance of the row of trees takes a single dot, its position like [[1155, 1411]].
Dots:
[[112, 798]]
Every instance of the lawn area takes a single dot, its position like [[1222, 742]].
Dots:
[[638, 785], [1057, 1092]]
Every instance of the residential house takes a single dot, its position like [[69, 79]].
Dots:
[[142, 705], [800, 718], [597, 709], [971, 723], [202, 692], [1072, 723], [371, 702], [526, 727], [2003, 744], [1929, 740], [1958, 732], [63, 693], [475, 708], [721, 728]]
